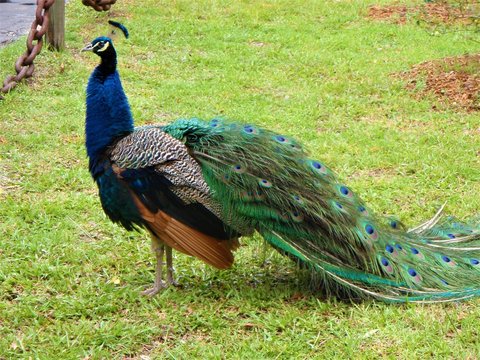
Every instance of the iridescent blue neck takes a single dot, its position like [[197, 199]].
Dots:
[[108, 112]]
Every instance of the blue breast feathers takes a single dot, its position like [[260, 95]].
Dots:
[[117, 200]]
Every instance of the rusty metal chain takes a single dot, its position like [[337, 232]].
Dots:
[[99, 5], [24, 64]]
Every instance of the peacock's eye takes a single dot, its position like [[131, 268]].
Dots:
[[101, 46]]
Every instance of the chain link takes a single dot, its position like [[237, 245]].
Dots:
[[24, 64], [99, 5]]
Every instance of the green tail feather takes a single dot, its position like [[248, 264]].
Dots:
[[267, 182]]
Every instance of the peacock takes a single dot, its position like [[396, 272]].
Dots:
[[197, 186]]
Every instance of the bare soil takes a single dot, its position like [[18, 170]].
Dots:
[[454, 81], [434, 12]]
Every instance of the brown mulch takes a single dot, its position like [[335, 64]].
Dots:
[[394, 13], [436, 12], [454, 81]]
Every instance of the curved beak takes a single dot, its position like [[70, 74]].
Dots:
[[88, 47]]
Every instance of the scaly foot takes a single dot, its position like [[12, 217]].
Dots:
[[155, 289]]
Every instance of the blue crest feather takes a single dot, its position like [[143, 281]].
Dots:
[[120, 26]]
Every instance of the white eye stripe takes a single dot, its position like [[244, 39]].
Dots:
[[104, 47]]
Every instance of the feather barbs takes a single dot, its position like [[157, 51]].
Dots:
[[305, 211]]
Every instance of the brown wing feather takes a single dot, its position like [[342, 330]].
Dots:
[[183, 238]]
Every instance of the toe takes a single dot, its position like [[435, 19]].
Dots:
[[154, 290]]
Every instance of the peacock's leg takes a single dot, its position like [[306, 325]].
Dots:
[[170, 269], [159, 248]]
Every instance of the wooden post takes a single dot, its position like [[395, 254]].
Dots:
[[56, 28]]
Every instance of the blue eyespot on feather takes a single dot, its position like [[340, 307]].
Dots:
[[295, 147], [338, 206], [296, 216], [417, 253], [215, 123], [119, 26], [317, 167], [391, 250], [281, 139], [250, 130], [386, 266], [474, 262], [414, 275], [345, 191], [264, 183], [226, 178], [451, 236], [446, 260], [239, 169], [297, 198], [371, 232], [363, 210]]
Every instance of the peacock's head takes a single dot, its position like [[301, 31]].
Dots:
[[102, 46]]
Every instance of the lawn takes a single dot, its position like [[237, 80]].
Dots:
[[317, 70]]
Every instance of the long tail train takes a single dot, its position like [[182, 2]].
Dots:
[[266, 181]]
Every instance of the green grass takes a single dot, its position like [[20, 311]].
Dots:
[[317, 70]]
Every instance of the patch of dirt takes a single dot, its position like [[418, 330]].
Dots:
[[7, 185], [374, 173], [454, 81], [256, 43], [434, 12], [395, 13]]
